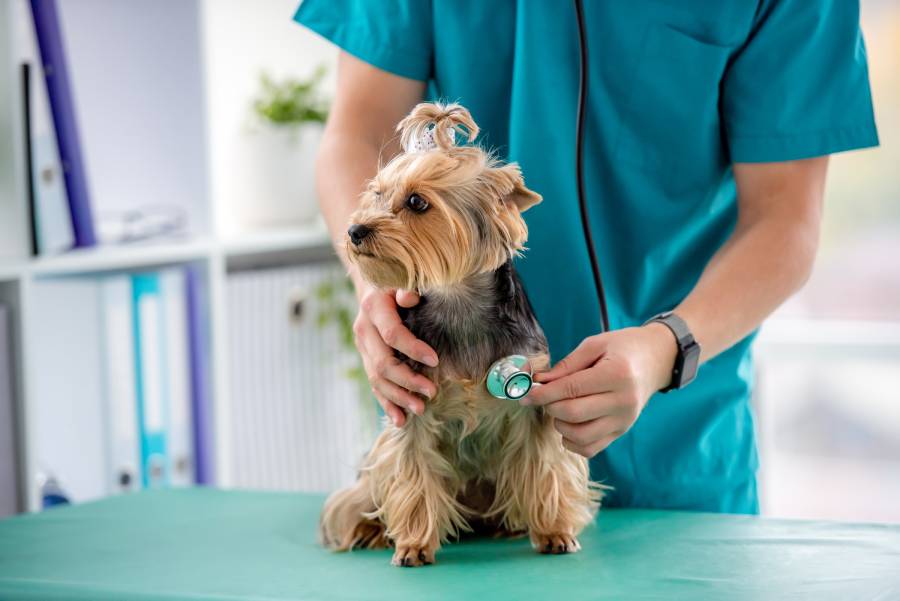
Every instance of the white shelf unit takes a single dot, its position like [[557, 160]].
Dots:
[[10, 273], [101, 259], [71, 278], [154, 125]]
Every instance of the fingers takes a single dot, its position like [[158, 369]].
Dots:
[[382, 363], [384, 370], [382, 313], [407, 298], [588, 433], [398, 373], [591, 449], [395, 371], [394, 413], [596, 380], [397, 395], [585, 355], [391, 379], [588, 438], [585, 409]]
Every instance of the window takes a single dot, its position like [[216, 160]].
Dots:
[[828, 399]]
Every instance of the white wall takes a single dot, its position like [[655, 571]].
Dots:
[[13, 233], [138, 87], [163, 93], [137, 84], [242, 39]]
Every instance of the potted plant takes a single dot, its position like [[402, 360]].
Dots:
[[288, 116]]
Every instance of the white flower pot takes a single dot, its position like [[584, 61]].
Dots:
[[279, 175]]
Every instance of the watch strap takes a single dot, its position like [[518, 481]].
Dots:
[[678, 326], [686, 362]]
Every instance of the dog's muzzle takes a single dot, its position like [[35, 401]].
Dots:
[[358, 232]]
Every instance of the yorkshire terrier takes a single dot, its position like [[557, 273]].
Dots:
[[445, 221]]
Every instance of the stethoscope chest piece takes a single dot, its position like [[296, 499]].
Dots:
[[510, 378]]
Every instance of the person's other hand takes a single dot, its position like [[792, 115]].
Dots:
[[378, 331], [597, 393]]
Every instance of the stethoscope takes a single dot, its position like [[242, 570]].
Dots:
[[512, 377]]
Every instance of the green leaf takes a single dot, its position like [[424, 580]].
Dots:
[[292, 101], [325, 291]]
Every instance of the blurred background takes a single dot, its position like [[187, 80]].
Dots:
[[828, 399], [171, 311]]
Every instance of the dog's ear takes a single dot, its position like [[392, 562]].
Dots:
[[509, 185]]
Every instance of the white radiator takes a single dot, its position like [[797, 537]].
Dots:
[[297, 421]]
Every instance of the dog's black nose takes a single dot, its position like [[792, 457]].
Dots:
[[358, 233]]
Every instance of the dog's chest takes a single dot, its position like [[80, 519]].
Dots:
[[484, 319], [465, 401], [466, 347], [474, 425]]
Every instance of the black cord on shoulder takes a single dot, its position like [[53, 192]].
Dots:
[[579, 165]]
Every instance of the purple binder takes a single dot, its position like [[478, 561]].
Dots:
[[62, 107], [201, 399]]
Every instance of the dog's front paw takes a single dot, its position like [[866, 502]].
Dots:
[[555, 544], [411, 556], [369, 534]]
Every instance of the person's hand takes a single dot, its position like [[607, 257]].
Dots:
[[597, 393], [379, 330]]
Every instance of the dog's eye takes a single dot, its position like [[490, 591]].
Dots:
[[416, 203]]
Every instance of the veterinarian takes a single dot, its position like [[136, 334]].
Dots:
[[706, 142]]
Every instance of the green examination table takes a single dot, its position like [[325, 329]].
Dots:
[[203, 544]]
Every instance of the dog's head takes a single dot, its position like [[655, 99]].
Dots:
[[438, 213]]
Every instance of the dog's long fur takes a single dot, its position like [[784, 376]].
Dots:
[[471, 459]]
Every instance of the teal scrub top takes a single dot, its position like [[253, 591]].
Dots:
[[679, 90]]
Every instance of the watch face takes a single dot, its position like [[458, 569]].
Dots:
[[691, 355]]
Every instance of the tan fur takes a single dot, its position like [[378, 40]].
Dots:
[[442, 118], [438, 248], [470, 458]]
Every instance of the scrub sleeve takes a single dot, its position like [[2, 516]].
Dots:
[[799, 87]]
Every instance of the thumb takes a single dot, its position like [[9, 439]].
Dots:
[[585, 355], [407, 298]]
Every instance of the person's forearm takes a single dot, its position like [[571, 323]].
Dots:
[[344, 165], [767, 259], [360, 130], [755, 272]]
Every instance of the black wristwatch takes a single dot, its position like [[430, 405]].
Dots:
[[685, 369]]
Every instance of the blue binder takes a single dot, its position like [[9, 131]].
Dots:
[[201, 387], [151, 378]]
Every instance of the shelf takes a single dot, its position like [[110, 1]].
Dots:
[[277, 248], [273, 241], [116, 258], [258, 245], [10, 273]]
